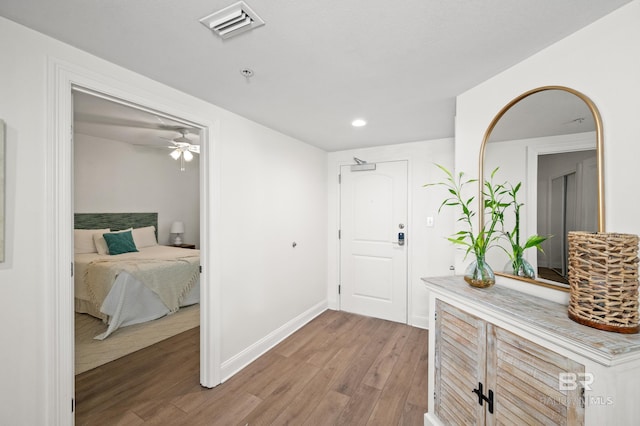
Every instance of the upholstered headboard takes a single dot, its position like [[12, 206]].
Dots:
[[115, 221]]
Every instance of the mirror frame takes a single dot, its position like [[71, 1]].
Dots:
[[599, 156]]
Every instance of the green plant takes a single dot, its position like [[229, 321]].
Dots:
[[488, 234], [517, 250]]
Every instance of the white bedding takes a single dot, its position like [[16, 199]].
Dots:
[[128, 301]]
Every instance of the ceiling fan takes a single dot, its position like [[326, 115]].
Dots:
[[182, 148]]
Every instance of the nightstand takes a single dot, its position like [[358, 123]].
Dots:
[[187, 246]]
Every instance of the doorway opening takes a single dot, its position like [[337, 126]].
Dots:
[[65, 78], [132, 169]]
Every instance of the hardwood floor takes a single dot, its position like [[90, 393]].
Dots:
[[91, 353], [340, 369]]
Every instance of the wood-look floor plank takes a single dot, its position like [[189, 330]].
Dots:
[[381, 368], [306, 401], [130, 419], [419, 392], [301, 337], [322, 374], [267, 411], [202, 399], [325, 345], [392, 400], [104, 391], [349, 380], [328, 409], [412, 415], [224, 411], [264, 385], [360, 406]]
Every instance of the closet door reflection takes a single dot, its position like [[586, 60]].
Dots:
[[562, 210], [565, 207]]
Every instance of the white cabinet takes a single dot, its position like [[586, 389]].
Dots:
[[487, 375], [503, 357]]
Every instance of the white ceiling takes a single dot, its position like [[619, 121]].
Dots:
[[546, 113], [321, 63], [105, 119]]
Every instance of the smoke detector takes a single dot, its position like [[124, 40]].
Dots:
[[232, 20]]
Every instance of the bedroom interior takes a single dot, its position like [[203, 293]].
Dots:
[[110, 138], [287, 172]]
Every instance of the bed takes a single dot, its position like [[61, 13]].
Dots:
[[123, 276]]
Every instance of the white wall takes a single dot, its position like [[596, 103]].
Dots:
[[275, 194], [599, 61], [430, 254], [117, 177], [272, 191]]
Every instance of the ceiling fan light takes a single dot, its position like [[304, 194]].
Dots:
[[188, 156], [175, 154]]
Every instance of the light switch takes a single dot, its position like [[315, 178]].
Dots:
[[430, 221]]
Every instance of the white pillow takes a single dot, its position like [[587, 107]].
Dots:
[[83, 240], [101, 243], [145, 237]]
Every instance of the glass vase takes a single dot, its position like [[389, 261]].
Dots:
[[520, 267], [479, 273]]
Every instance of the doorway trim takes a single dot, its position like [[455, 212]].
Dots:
[[62, 78]]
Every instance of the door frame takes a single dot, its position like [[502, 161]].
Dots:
[[333, 286], [62, 78]]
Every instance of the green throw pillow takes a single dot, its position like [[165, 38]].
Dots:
[[120, 242]]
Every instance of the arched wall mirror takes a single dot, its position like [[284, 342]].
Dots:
[[550, 140]]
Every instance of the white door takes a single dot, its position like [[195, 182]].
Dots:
[[373, 256]]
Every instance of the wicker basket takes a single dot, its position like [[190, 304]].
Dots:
[[603, 275]]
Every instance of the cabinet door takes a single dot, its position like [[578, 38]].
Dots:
[[528, 381], [460, 360]]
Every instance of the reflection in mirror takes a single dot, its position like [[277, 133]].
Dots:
[[2, 189], [550, 140], [567, 201]]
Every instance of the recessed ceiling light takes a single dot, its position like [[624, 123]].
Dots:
[[358, 122]]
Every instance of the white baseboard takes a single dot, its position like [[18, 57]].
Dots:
[[431, 420], [333, 305], [250, 354], [420, 322]]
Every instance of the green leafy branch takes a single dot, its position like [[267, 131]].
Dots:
[[493, 207], [517, 250]]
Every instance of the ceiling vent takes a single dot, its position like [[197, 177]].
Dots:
[[232, 20]]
